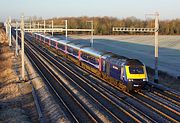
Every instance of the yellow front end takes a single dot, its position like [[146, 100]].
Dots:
[[136, 76]]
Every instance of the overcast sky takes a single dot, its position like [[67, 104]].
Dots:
[[168, 9]]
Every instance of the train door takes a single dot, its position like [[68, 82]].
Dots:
[[122, 73], [108, 68], [103, 65]]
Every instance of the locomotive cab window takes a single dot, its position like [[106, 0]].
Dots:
[[136, 70]]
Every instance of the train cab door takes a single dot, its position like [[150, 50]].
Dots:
[[108, 68], [103, 65], [122, 73]]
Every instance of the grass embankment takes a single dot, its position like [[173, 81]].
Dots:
[[12, 101], [165, 79]]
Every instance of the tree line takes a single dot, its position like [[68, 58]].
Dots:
[[104, 25]]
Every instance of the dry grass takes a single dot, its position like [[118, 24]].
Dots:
[[11, 100], [5, 66], [3, 38], [5, 49]]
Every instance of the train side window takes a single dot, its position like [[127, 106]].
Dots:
[[92, 59], [84, 56], [70, 49], [53, 43], [75, 52], [47, 40], [61, 46]]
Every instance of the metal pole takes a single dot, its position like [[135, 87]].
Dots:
[[44, 26], [16, 38], [52, 28], [33, 26], [33, 23], [7, 24], [156, 47], [10, 44], [22, 45], [38, 26], [30, 22], [6, 27], [44, 29], [92, 42], [66, 28]]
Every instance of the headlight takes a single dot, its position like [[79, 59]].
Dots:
[[144, 79], [130, 80]]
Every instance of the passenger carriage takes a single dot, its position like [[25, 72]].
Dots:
[[91, 59], [73, 51], [62, 47]]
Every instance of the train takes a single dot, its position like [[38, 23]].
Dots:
[[127, 74]]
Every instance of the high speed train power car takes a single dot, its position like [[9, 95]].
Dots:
[[127, 74]]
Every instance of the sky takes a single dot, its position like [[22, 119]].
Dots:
[[168, 9]]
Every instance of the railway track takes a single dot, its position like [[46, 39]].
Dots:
[[175, 101], [110, 103], [154, 115], [167, 110], [165, 92], [72, 106], [109, 108]]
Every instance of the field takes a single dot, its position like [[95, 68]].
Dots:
[[141, 47]]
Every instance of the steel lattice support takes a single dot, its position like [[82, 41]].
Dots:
[[125, 29]]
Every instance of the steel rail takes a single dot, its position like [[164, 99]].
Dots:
[[163, 113], [153, 108], [159, 103], [45, 78], [83, 109], [167, 98], [135, 119], [81, 87]]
